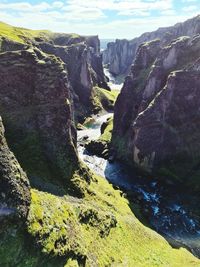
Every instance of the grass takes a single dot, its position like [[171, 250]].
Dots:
[[104, 99], [99, 230], [107, 134], [20, 35]]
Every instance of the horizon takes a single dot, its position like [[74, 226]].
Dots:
[[109, 19]]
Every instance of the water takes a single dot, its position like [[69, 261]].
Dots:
[[6, 211], [162, 206], [114, 83]]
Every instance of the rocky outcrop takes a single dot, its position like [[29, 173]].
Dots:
[[82, 58], [83, 64], [157, 113], [10, 45], [35, 103], [14, 187], [120, 54]]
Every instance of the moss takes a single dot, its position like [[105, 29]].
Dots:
[[29, 152], [181, 170], [103, 99], [119, 143], [107, 133], [17, 249], [142, 77], [98, 230], [21, 35], [25, 36]]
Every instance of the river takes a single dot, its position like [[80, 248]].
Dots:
[[114, 83], [163, 205]]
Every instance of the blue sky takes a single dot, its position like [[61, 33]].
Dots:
[[107, 18]]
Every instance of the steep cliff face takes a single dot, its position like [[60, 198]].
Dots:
[[15, 199], [83, 64], [36, 107], [14, 187], [81, 55], [120, 54], [84, 67], [157, 113]]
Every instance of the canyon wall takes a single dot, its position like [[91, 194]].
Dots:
[[36, 107], [156, 121], [83, 63], [120, 54]]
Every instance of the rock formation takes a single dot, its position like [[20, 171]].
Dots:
[[14, 187], [51, 227], [82, 58], [157, 113], [120, 54], [36, 107], [83, 63]]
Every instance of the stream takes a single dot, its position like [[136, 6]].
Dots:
[[164, 207], [114, 83]]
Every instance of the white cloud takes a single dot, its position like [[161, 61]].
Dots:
[[58, 4], [89, 16], [189, 1], [25, 6], [189, 8], [121, 6]]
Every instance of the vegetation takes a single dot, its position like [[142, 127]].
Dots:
[[96, 226], [104, 99], [97, 230], [107, 133], [20, 35]]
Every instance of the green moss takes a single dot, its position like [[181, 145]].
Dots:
[[182, 170], [98, 230], [103, 99], [21, 35], [119, 143], [24, 36], [142, 77], [107, 134]]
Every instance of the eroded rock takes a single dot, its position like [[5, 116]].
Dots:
[[157, 116], [37, 109], [120, 54], [14, 187]]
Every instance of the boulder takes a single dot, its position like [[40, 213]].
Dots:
[[98, 148]]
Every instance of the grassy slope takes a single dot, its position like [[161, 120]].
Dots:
[[107, 134], [104, 99], [23, 35], [20, 35], [57, 226]]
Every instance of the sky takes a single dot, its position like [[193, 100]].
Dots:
[[110, 19]]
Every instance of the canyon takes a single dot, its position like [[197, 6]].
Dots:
[[119, 55], [92, 174]]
